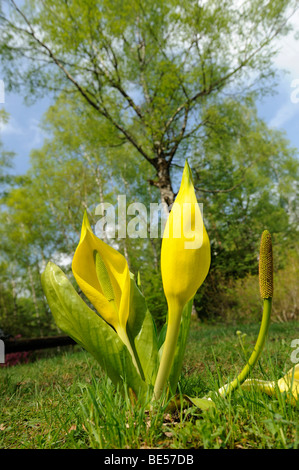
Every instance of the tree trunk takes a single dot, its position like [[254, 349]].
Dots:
[[34, 298], [14, 297], [164, 181]]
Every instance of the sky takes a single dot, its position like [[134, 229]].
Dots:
[[281, 111]]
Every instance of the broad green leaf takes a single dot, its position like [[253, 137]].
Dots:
[[137, 308], [161, 337], [201, 403], [142, 332], [147, 349], [184, 401], [89, 330]]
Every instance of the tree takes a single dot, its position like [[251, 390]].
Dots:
[[261, 172], [42, 213], [6, 160], [98, 169], [247, 177], [152, 70], [139, 86]]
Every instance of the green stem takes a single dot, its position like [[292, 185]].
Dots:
[[227, 389], [135, 355], [125, 339], [168, 353]]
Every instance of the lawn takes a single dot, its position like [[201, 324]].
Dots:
[[63, 401]]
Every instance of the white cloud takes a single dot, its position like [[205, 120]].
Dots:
[[284, 114], [62, 259], [30, 131], [11, 128], [36, 132], [288, 56], [287, 60]]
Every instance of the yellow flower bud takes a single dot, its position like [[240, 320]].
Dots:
[[185, 253], [185, 262]]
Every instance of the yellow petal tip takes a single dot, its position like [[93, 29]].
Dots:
[[187, 178], [86, 220]]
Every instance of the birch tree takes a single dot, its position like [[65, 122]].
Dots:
[[152, 70]]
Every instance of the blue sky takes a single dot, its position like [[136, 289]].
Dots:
[[281, 111], [22, 133]]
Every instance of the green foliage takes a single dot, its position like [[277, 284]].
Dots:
[[6, 160], [137, 88], [246, 177], [88, 329], [65, 402], [143, 334], [73, 316], [152, 71], [151, 286], [285, 304]]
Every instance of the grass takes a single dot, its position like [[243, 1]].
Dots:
[[65, 402]]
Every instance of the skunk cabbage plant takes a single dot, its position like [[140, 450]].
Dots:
[[117, 327], [119, 331]]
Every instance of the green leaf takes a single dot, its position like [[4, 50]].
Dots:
[[89, 330], [184, 401], [161, 338], [201, 403], [142, 333]]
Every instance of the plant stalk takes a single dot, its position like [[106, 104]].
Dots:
[[125, 339], [228, 388], [168, 353]]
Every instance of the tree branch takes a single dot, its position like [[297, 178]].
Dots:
[[103, 111], [217, 191], [54, 58], [180, 137], [232, 188], [218, 83]]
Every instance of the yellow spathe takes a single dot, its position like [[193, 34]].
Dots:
[[185, 262], [114, 311], [185, 253], [289, 384]]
